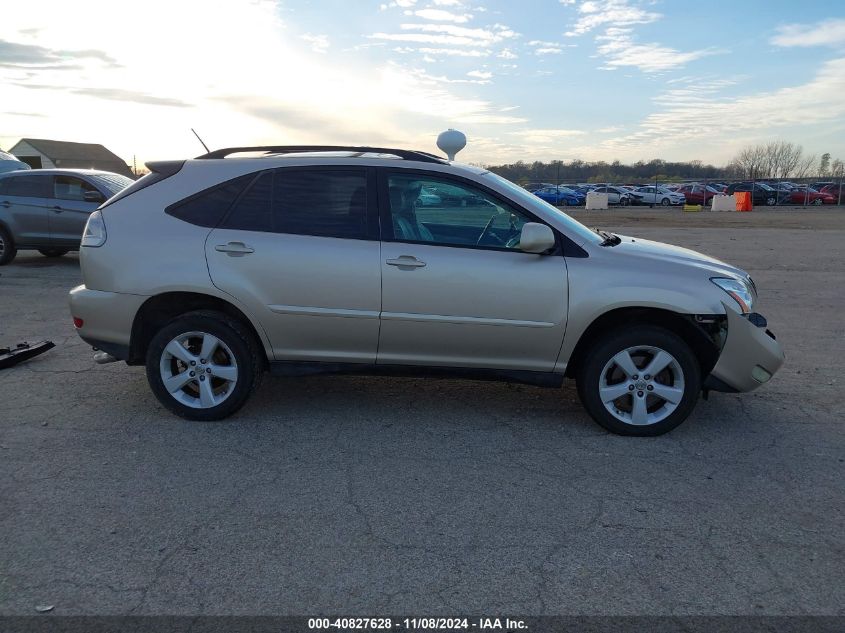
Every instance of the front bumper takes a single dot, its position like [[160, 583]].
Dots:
[[107, 317], [750, 356]]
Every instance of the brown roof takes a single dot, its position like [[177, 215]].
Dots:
[[79, 155]]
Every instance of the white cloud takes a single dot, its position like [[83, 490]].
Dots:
[[319, 43], [544, 136], [696, 114], [507, 54], [598, 13], [829, 32], [620, 50], [454, 52], [480, 74], [442, 15], [449, 34]]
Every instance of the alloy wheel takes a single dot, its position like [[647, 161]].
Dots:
[[641, 385], [198, 370]]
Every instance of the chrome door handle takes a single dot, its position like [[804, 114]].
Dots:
[[57, 209], [405, 261], [234, 249], [6, 204]]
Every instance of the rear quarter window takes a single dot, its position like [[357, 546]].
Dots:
[[207, 208]]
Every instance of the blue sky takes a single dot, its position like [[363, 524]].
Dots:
[[536, 79]]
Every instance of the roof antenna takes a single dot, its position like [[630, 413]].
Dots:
[[200, 140]]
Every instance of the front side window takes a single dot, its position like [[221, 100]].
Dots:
[[71, 188], [464, 215]]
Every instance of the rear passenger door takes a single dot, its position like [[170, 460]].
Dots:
[[23, 208], [300, 248]]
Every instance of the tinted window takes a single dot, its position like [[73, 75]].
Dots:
[[71, 188], [253, 211], [208, 207], [28, 186], [320, 202]]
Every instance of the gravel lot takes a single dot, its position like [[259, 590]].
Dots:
[[373, 496]]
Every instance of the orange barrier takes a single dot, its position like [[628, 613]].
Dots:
[[743, 200]]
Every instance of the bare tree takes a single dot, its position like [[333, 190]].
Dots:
[[751, 161], [837, 169], [804, 166]]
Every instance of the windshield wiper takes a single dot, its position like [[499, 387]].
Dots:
[[609, 238]]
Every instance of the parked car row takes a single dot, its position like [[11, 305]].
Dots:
[[763, 193]]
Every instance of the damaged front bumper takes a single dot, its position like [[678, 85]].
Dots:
[[750, 356]]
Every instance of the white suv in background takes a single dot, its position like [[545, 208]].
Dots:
[[327, 259]]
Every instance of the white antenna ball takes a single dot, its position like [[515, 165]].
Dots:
[[451, 142]]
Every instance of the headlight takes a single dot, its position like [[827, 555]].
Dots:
[[739, 290], [95, 230]]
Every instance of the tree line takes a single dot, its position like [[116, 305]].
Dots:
[[776, 160]]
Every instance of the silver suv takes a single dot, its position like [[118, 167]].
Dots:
[[46, 209], [335, 259]]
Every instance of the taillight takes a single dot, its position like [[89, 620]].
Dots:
[[77, 322]]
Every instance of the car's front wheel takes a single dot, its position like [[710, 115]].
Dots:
[[203, 365], [665, 202], [641, 381], [7, 247]]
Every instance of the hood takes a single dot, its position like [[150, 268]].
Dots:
[[676, 254]]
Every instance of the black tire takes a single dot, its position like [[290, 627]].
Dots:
[[665, 202], [770, 201], [7, 247], [247, 355], [818, 201], [607, 346], [623, 202], [53, 252], [564, 203]]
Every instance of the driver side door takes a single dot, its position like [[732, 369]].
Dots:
[[456, 289]]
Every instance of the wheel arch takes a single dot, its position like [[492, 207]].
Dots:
[[160, 309], [705, 334]]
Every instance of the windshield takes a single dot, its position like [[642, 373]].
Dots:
[[575, 230], [763, 185]]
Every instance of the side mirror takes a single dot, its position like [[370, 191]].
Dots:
[[536, 238], [93, 196]]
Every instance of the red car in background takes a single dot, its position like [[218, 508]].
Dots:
[[811, 196], [834, 190], [698, 194]]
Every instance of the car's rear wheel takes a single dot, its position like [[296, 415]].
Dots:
[[53, 252], [7, 247], [640, 381], [203, 365], [564, 203]]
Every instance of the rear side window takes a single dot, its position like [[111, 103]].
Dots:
[[324, 202], [327, 203], [208, 207], [26, 186]]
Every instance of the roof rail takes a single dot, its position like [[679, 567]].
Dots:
[[405, 154]]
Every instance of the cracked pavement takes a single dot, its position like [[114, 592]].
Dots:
[[373, 496]]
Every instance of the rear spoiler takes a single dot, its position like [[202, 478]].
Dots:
[[159, 170]]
